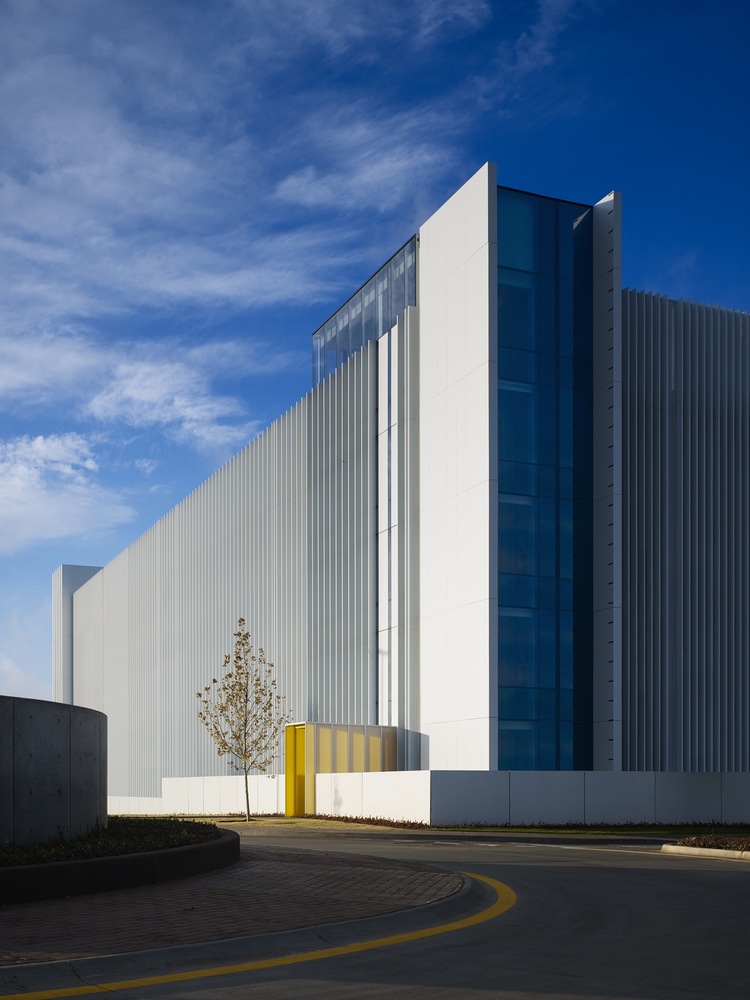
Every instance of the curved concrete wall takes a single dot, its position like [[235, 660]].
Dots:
[[53, 770]]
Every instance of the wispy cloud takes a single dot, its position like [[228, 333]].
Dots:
[[168, 386], [366, 158], [175, 397], [48, 490], [518, 75], [160, 171]]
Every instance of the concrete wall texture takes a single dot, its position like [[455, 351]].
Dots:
[[53, 770]]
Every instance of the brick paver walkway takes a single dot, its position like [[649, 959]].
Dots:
[[271, 889]]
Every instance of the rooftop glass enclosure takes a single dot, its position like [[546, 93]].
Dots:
[[368, 313]]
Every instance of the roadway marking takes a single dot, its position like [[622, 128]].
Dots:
[[505, 898], [583, 847]]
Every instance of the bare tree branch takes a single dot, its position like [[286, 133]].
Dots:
[[242, 711]]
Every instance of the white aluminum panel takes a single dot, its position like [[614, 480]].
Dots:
[[686, 495], [457, 277], [282, 536]]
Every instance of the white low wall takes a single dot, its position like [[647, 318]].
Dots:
[[528, 798], [206, 796], [446, 798]]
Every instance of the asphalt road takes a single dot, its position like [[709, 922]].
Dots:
[[604, 921]]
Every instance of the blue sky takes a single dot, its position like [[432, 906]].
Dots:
[[188, 188]]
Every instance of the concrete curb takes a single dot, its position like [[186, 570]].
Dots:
[[706, 852], [417, 836], [472, 898], [31, 883]]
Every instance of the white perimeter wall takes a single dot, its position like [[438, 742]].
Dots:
[[526, 798], [515, 798], [205, 796], [457, 299]]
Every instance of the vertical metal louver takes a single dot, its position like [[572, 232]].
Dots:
[[686, 542]]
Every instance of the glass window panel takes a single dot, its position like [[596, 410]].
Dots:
[[518, 535], [318, 359], [516, 231], [398, 286], [566, 427], [566, 705], [547, 704], [566, 482], [517, 366], [566, 649], [411, 273], [517, 421], [565, 315], [566, 746], [547, 425], [566, 539], [330, 348], [516, 310], [546, 369], [566, 594], [369, 312], [517, 477], [546, 746], [383, 302], [547, 529], [517, 746], [547, 480], [568, 215], [547, 648], [518, 703], [546, 235], [517, 591], [517, 636], [565, 369], [355, 324], [547, 592]]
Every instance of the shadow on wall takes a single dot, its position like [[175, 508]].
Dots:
[[53, 770]]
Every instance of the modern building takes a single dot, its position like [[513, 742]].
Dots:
[[509, 523]]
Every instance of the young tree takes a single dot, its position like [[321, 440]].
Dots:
[[242, 711]]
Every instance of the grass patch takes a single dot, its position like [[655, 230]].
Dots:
[[123, 835], [603, 829]]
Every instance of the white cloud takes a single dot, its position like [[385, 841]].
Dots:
[[48, 491], [36, 365], [147, 466], [176, 397], [368, 157], [344, 28], [441, 16]]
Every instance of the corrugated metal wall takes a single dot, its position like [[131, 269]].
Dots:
[[283, 535], [686, 536]]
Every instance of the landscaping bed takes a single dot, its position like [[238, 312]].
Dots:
[[717, 841], [122, 835], [131, 852]]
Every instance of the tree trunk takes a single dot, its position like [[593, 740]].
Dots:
[[247, 799]]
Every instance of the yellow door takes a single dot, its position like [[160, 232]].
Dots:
[[294, 770]]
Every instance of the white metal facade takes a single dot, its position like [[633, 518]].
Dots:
[[686, 536], [284, 536], [358, 537]]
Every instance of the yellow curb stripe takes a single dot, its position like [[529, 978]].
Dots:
[[505, 899]]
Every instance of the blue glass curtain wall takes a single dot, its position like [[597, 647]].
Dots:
[[368, 314], [545, 507]]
